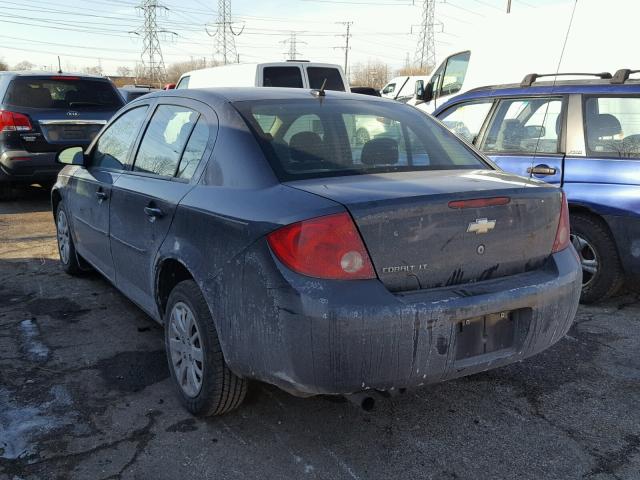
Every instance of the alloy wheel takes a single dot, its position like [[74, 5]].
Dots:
[[588, 258], [64, 242], [185, 349]]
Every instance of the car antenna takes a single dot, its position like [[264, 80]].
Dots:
[[59, 65], [321, 92]]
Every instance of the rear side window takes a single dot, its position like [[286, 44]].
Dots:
[[195, 149], [165, 140], [613, 126], [312, 138], [290, 77], [525, 125], [318, 75], [71, 93], [467, 119], [113, 146]]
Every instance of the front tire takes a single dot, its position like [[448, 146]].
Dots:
[[204, 382], [66, 248], [602, 274]]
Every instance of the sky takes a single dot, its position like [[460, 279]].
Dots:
[[88, 33]]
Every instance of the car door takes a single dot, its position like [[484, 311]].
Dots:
[[524, 136], [89, 195], [145, 197]]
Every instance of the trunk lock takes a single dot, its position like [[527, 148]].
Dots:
[[480, 249]]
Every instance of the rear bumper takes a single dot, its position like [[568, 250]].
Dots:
[[18, 166], [325, 337], [626, 232]]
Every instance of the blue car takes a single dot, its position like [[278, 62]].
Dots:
[[583, 135], [274, 245]]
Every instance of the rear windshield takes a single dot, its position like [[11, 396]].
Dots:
[[318, 137], [66, 92], [319, 75]]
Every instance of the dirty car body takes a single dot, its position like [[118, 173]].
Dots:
[[331, 267]]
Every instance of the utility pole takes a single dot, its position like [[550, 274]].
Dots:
[[426, 50], [508, 6], [152, 60], [225, 35], [293, 46], [346, 48]]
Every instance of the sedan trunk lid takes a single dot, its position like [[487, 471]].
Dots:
[[418, 239]]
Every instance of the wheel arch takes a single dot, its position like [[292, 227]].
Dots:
[[169, 272]]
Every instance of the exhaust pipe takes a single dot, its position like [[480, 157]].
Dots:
[[363, 400]]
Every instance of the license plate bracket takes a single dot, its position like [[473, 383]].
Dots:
[[486, 334]]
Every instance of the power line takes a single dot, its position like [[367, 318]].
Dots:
[[293, 46], [426, 51], [152, 59], [347, 36], [225, 35]]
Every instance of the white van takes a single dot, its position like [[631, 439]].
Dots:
[[404, 87], [292, 74]]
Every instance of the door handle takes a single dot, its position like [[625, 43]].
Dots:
[[541, 170], [153, 213], [101, 195]]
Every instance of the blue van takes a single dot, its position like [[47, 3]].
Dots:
[[583, 135]]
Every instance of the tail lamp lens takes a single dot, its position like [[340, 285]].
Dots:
[[328, 247], [14, 122], [562, 234]]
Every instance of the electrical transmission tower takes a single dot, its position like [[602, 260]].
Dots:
[[347, 36], [152, 60], [426, 51], [225, 35], [293, 46]]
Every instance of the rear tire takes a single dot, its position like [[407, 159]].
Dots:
[[601, 267], [66, 248], [205, 386]]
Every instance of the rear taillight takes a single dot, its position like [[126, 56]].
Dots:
[[327, 247], [562, 235], [14, 122]]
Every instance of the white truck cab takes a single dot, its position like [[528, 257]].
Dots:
[[445, 82], [292, 74]]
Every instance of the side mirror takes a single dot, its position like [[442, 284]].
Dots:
[[534, 131], [71, 156], [424, 94]]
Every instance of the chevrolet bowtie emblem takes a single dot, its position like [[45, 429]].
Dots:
[[481, 225]]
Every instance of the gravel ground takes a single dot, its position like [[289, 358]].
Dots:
[[85, 394]]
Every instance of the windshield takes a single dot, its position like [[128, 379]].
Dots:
[[323, 137], [62, 92]]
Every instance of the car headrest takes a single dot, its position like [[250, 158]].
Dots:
[[306, 147], [604, 125], [380, 151]]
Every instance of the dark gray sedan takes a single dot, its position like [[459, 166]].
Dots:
[[274, 245]]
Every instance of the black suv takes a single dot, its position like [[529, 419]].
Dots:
[[42, 113]]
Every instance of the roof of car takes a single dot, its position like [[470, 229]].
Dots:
[[546, 88], [40, 73], [259, 93]]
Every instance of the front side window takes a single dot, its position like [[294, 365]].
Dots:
[[165, 139], [455, 73], [525, 125], [184, 83], [114, 145], [613, 126], [389, 88], [467, 119], [319, 75], [290, 77], [350, 137]]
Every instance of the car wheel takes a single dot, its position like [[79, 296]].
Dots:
[[601, 269], [362, 136], [66, 249], [198, 369]]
